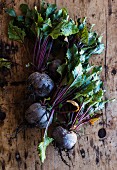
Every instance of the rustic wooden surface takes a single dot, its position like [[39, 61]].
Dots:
[[91, 152]]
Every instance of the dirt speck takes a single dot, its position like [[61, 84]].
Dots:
[[82, 152], [114, 71], [102, 133]]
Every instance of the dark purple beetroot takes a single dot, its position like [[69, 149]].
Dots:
[[40, 84], [37, 115], [65, 139]]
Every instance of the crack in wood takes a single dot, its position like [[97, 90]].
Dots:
[[4, 83], [106, 51], [3, 164], [105, 69], [109, 7], [18, 83]]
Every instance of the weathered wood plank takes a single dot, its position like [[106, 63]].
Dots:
[[90, 151]]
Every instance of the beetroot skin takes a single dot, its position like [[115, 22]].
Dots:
[[40, 84], [37, 115], [65, 139]]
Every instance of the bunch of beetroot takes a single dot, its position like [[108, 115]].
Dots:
[[67, 89]]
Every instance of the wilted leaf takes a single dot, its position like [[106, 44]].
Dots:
[[42, 148], [74, 104], [92, 121]]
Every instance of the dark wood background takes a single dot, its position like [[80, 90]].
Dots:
[[91, 152]]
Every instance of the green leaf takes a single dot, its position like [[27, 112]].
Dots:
[[69, 28], [40, 19], [58, 14], [102, 104], [11, 12], [73, 57], [84, 35], [15, 33], [78, 71], [65, 14], [61, 68], [5, 63], [65, 28], [97, 97], [81, 23], [51, 8], [56, 32], [62, 13], [60, 105], [99, 49], [72, 53], [100, 39], [42, 148], [46, 26], [91, 38], [24, 8], [20, 18], [87, 100]]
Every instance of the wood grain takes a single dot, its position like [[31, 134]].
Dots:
[[91, 152]]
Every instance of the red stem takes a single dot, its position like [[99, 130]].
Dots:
[[35, 50], [82, 116], [39, 44], [80, 125], [58, 100], [77, 115], [42, 54], [47, 56], [51, 116], [58, 94]]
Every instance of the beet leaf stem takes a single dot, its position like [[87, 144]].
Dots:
[[47, 56], [51, 117], [77, 115], [58, 99], [80, 125], [34, 52], [38, 51], [42, 53], [82, 116]]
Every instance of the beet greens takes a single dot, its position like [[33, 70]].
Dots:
[[43, 25], [78, 93], [80, 82]]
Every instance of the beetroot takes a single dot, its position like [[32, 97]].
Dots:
[[65, 139], [37, 115], [40, 84]]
